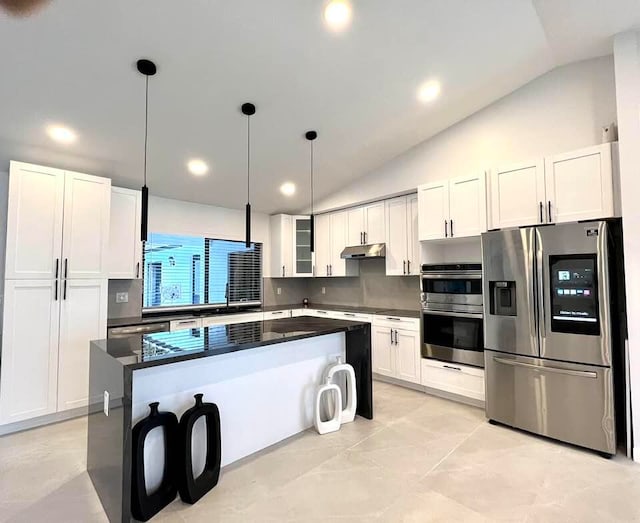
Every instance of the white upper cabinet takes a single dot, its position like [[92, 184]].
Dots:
[[579, 185], [517, 195], [396, 251], [34, 221], [355, 226], [402, 245], [125, 246], [453, 208], [413, 247], [83, 317], [338, 234], [567, 187], [85, 237], [322, 253], [366, 224], [467, 206], [29, 371], [56, 220], [281, 246], [433, 210]]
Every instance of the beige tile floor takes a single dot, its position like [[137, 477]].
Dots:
[[422, 459]]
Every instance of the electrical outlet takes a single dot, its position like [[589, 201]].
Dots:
[[278, 291], [122, 297], [105, 406], [324, 290]]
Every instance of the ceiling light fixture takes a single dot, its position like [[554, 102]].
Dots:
[[311, 136], [248, 109], [428, 91], [337, 14], [288, 189], [147, 68], [62, 134], [197, 167]]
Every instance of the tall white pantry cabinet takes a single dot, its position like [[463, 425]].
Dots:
[[55, 288]]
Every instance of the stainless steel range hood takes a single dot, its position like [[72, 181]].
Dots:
[[374, 250]]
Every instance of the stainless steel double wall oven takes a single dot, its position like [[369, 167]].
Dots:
[[452, 318]]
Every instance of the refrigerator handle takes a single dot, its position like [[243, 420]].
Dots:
[[542, 316], [531, 283]]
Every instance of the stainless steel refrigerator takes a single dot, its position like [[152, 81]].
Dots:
[[548, 332]]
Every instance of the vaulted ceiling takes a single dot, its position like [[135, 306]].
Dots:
[[73, 63]]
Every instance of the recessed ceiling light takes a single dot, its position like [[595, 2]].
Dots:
[[197, 167], [62, 134], [337, 14], [288, 189], [428, 91]]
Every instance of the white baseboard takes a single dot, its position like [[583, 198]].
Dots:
[[19, 426]]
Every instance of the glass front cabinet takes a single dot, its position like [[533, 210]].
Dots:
[[301, 242]]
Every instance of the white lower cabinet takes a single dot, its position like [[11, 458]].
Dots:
[[83, 317], [396, 348], [45, 351], [29, 373], [453, 378]]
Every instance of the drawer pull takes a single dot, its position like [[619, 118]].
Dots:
[[393, 319], [452, 368]]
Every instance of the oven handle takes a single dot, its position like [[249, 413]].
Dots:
[[557, 370], [451, 276], [472, 315]]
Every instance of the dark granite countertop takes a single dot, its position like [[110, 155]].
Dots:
[[150, 350], [159, 318]]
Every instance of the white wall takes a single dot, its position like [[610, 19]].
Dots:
[[559, 111], [627, 68], [4, 190], [194, 219]]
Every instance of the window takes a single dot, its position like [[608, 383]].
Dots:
[[188, 271]]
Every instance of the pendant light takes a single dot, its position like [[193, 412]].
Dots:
[[311, 136], [248, 109], [147, 68]]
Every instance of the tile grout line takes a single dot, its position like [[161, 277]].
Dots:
[[451, 452]]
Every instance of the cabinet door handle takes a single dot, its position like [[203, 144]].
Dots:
[[451, 228], [64, 290], [361, 241], [408, 266], [404, 267], [330, 270], [549, 209], [138, 270], [446, 231], [55, 283], [541, 216], [57, 268], [283, 271], [66, 267], [365, 236], [327, 270], [391, 333], [396, 337]]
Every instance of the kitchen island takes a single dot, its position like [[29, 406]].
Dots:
[[263, 376]]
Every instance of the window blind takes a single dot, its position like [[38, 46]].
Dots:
[[187, 272]]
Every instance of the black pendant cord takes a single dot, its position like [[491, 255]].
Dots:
[[147, 68], [247, 241], [311, 136], [248, 109], [144, 223]]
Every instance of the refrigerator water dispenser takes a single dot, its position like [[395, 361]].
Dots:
[[503, 298]]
